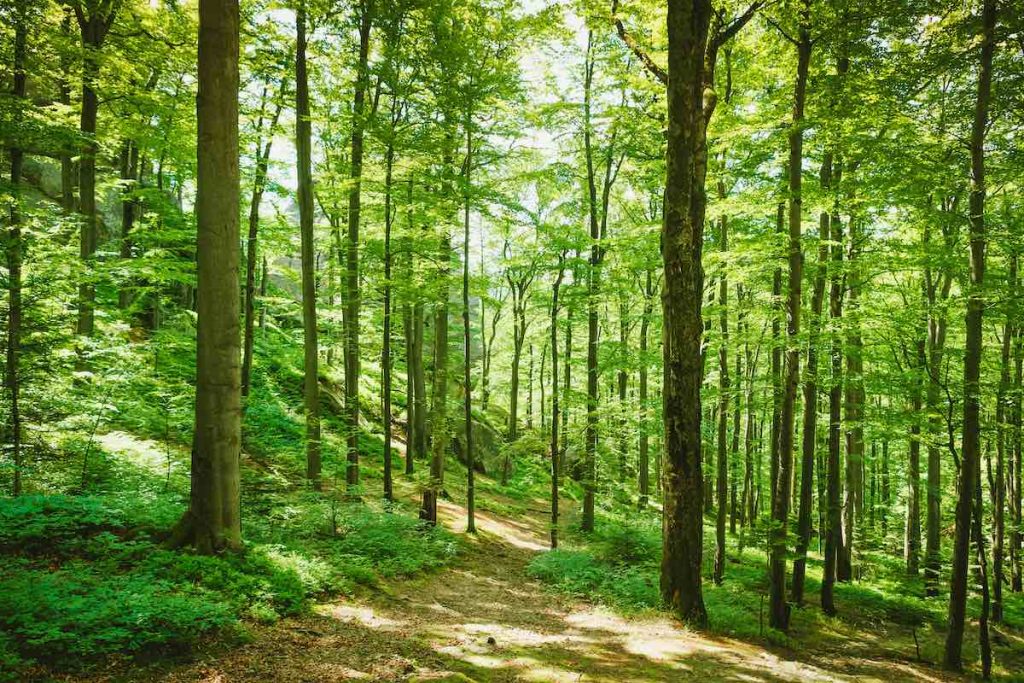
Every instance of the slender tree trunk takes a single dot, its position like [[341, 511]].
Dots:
[[644, 456], [973, 348], [352, 252], [779, 613], [554, 400], [94, 21], [67, 167], [622, 383], [385, 352], [984, 639], [419, 445], [439, 403], [304, 164], [885, 490], [854, 385], [467, 378], [833, 484], [593, 289], [722, 480], [912, 545], [259, 184], [129, 174], [529, 392], [213, 520], [1003, 445], [12, 368], [682, 236], [809, 436], [1016, 469], [566, 387], [409, 327]]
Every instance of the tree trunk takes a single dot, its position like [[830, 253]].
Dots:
[[722, 480], [352, 250], [973, 348], [554, 400], [682, 236], [94, 27], [12, 369], [385, 352], [129, 174], [593, 287], [809, 436], [833, 484], [467, 378], [259, 184], [912, 543], [644, 456], [303, 154], [779, 609], [1004, 445], [213, 520]]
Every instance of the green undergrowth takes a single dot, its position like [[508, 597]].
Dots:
[[619, 565], [84, 578], [84, 574]]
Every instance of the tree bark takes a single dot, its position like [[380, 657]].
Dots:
[[682, 236], [213, 520], [809, 436], [971, 447], [779, 609], [303, 147], [555, 470], [722, 480], [352, 248], [644, 455], [94, 22], [466, 338], [12, 366], [259, 184]]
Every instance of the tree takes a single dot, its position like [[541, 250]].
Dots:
[[971, 448], [311, 354], [213, 520], [682, 237]]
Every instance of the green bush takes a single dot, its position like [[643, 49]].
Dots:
[[76, 614]]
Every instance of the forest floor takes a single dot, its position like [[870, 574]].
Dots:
[[482, 618]]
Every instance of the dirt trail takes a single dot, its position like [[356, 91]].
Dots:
[[483, 619]]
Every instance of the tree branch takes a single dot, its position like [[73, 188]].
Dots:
[[645, 59]]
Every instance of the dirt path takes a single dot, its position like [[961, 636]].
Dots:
[[483, 619]]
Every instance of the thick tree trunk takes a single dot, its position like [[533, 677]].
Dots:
[[779, 609], [352, 248], [213, 520], [304, 164], [682, 237], [971, 448]]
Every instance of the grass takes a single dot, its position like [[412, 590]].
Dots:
[[84, 577], [619, 566]]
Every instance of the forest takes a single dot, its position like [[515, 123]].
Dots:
[[511, 340]]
